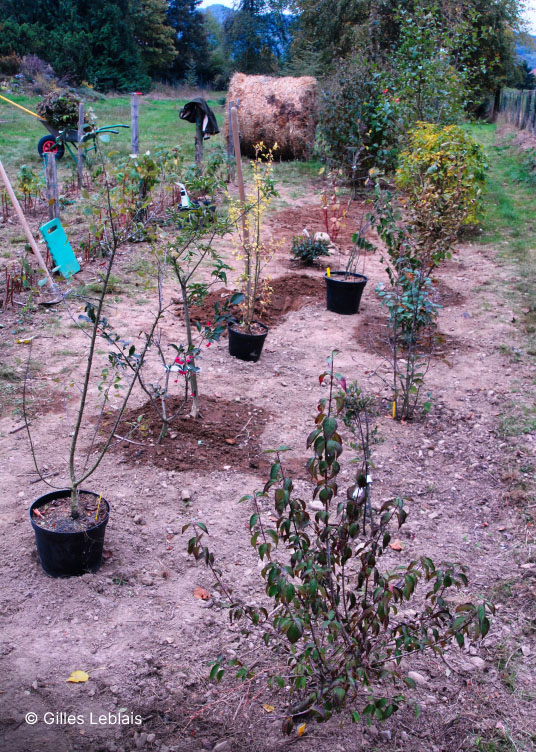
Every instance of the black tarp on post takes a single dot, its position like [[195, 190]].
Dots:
[[197, 111]]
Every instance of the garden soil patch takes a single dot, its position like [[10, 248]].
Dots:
[[372, 335], [137, 627], [56, 515], [291, 221], [288, 293], [226, 435]]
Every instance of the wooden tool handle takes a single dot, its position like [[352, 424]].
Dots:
[[24, 223]]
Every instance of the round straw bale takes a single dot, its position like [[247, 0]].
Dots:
[[275, 110]]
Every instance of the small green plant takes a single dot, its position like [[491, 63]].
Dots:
[[336, 622], [412, 311], [306, 249], [28, 186]]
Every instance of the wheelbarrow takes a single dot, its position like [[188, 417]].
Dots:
[[57, 139]]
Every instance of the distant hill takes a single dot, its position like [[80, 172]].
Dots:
[[220, 12], [527, 51]]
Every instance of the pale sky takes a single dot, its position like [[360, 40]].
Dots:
[[530, 12]]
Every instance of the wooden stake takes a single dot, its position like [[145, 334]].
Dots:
[[51, 174], [134, 112], [80, 145], [199, 140], [239, 175], [26, 228], [230, 145]]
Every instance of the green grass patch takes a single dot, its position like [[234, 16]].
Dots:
[[510, 221], [159, 125], [509, 226]]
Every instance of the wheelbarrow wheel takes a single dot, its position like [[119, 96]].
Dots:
[[48, 145]]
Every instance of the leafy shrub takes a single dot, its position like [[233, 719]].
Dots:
[[442, 174], [337, 621], [306, 249], [60, 108], [410, 304], [358, 120], [10, 64], [430, 88], [412, 311]]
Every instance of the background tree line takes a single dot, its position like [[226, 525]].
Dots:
[[125, 44]]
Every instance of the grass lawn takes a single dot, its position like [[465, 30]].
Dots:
[[159, 125], [509, 226]]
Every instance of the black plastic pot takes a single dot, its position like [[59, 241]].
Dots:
[[344, 291], [246, 346], [69, 554]]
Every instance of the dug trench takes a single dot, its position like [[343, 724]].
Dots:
[[285, 294]]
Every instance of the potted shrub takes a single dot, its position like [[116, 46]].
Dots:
[[69, 523], [247, 335], [344, 288]]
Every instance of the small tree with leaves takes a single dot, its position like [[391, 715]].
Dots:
[[336, 623], [197, 265], [125, 359]]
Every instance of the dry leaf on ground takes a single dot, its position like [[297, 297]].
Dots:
[[78, 676], [201, 593]]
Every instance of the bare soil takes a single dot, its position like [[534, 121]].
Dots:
[[227, 435], [137, 627], [287, 293], [56, 515]]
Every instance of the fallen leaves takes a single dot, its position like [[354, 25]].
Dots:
[[396, 545], [201, 593], [301, 729], [268, 708], [78, 676], [230, 441]]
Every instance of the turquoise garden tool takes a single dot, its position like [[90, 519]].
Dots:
[[60, 249]]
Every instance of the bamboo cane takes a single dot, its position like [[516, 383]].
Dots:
[[242, 194]]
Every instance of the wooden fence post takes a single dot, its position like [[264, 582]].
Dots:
[[199, 140], [134, 113], [80, 155], [51, 174], [230, 145]]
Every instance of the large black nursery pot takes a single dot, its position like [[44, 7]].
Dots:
[[344, 291], [69, 554], [246, 346]]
